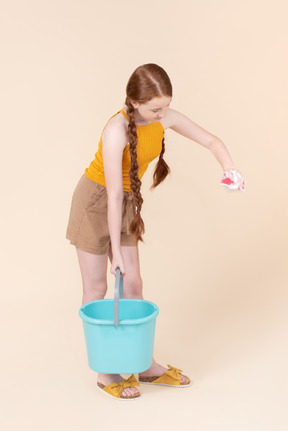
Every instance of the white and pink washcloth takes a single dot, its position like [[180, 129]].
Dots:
[[237, 184]]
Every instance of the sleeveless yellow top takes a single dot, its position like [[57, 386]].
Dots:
[[149, 146]]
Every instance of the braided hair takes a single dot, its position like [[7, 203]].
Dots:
[[146, 82]]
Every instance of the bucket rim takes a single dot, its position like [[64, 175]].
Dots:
[[86, 318]]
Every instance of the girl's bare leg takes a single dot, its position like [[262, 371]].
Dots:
[[133, 288]]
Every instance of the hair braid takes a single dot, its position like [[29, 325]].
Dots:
[[137, 225], [161, 169]]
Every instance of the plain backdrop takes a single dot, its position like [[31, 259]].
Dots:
[[214, 262]]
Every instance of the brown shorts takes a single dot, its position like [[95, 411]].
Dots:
[[88, 224]]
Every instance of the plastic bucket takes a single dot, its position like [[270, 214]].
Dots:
[[119, 333]]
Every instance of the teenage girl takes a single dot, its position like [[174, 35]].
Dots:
[[105, 219]]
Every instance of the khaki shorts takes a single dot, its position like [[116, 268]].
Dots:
[[88, 224]]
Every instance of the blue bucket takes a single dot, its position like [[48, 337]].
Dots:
[[119, 333]]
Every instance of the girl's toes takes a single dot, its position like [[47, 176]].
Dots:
[[128, 392], [185, 380], [134, 391], [125, 393], [182, 380]]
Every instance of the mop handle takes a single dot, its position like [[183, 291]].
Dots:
[[118, 293]]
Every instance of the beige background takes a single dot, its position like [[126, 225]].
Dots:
[[214, 262]]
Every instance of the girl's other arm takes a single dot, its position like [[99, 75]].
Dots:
[[113, 143]]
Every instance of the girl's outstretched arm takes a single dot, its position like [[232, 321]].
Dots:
[[186, 127]]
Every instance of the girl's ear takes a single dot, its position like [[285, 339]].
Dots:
[[134, 104]]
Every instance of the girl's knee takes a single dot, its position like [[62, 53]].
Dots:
[[95, 289], [132, 287]]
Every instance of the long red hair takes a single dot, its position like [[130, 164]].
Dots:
[[145, 83]]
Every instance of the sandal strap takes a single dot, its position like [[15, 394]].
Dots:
[[116, 389], [174, 371], [170, 377]]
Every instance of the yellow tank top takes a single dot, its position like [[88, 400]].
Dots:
[[149, 147]]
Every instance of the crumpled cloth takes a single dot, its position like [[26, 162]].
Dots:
[[237, 184], [116, 389]]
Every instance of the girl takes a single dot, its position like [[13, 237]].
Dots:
[[105, 215]]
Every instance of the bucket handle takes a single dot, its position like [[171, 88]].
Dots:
[[118, 293]]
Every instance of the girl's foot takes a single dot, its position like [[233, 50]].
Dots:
[[106, 379], [157, 370]]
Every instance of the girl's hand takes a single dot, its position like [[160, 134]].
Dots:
[[232, 179], [230, 174], [117, 262]]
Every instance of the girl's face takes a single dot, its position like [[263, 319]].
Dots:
[[154, 110]]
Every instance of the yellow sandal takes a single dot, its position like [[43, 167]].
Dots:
[[115, 389], [169, 378]]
